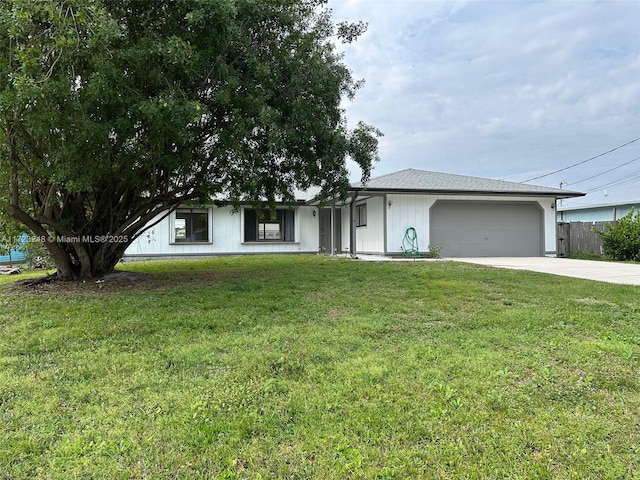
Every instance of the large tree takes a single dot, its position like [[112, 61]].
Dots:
[[114, 111]]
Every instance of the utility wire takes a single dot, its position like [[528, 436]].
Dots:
[[606, 171], [625, 191], [582, 162], [620, 181], [619, 193]]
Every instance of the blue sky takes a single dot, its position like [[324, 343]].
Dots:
[[509, 90]]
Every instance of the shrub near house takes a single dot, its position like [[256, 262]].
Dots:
[[621, 241]]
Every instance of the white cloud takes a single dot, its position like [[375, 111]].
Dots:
[[498, 89]]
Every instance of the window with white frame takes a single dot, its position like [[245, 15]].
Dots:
[[262, 226], [191, 225]]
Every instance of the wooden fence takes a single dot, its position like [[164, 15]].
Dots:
[[579, 237]]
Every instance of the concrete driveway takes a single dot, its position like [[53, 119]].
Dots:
[[611, 272]]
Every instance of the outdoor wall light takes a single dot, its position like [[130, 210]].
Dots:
[[390, 203], [314, 212]]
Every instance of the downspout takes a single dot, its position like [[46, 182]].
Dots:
[[352, 229], [333, 227], [385, 210]]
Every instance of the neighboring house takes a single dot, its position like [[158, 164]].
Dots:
[[16, 256], [606, 212], [462, 216]]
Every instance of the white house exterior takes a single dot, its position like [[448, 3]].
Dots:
[[462, 216], [221, 231], [492, 226]]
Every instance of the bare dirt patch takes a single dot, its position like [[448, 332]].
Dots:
[[116, 281], [593, 301]]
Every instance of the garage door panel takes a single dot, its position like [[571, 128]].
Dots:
[[483, 229]]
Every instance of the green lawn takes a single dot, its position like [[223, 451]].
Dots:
[[317, 367]]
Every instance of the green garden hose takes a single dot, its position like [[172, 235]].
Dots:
[[410, 243]]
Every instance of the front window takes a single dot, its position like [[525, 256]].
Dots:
[[262, 226], [191, 225], [269, 230]]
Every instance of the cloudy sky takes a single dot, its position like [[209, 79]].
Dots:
[[510, 90]]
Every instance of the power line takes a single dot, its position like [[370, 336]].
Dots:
[[619, 181], [618, 191], [583, 161], [625, 191], [605, 172]]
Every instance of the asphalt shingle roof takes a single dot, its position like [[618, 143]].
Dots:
[[425, 181]]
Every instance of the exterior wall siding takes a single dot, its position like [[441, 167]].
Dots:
[[15, 256], [413, 211], [596, 214], [388, 218], [550, 244], [407, 211], [226, 231], [370, 238]]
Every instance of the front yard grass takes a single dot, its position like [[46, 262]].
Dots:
[[318, 367]]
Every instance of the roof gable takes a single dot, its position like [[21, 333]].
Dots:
[[413, 180]]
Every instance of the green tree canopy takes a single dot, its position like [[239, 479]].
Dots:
[[113, 111]]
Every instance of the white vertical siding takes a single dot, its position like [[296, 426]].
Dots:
[[384, 223], [408, 211], [413, 211], [550, 243], [369, 238], [226, 234]]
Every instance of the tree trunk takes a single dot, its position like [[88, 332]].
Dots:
[[64, 265], [82, 262], [77, 260]]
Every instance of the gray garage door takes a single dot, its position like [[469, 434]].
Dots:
[[487, 229]]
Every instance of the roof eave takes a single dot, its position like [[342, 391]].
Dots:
[[558, 195]]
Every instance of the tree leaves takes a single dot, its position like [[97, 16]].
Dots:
[[121, 109]]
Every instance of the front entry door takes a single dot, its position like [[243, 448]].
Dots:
[[325, 232]]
